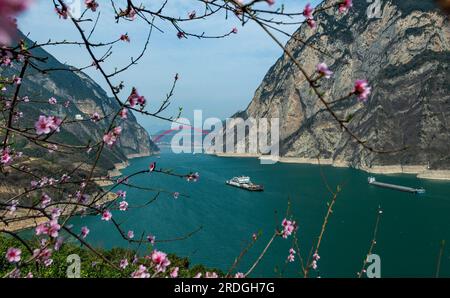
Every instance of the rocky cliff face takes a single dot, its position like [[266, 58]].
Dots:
[[85, 97], [405, 57]]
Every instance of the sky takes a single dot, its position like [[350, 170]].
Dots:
[[217, 76]]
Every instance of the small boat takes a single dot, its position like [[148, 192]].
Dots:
[[244, 183], [373, 181]]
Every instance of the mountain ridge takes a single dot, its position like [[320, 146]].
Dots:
[[404, 55], [85, 97]]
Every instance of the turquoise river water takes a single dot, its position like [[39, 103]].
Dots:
[[408, 243]]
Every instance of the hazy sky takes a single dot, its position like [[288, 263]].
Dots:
[[218, 76]]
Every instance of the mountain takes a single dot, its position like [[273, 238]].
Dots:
[[85, 97], [404, 55]]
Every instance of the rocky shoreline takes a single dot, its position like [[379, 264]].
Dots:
[[122, 165], [33, 222], [23, 224], [421, 171]]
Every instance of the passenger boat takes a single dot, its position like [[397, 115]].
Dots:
[[244, 183]]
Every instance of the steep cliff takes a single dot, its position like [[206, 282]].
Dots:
[[84, 97], [405, 57]]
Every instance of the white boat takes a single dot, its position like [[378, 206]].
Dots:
[[244, 182]]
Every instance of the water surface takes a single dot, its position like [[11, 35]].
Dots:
[[410, 230]]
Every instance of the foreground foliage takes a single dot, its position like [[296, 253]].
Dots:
[[91, 266]]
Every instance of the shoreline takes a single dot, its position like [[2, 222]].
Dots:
[[116, 171], [30, 223], [421, 171], [33, 222]]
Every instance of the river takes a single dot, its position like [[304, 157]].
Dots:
[[409, 236]]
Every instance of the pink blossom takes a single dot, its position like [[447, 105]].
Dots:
[[52, 148], [174, 272], [62, 12], [45, 200], [270, 2], [239, 275], [13, 255], [123, 113], [56, 213], [131, 14], [9, 9], [121, 194], [323, 70], [43, 255], [95, 117], [52, 100], [160, 260], [54, 227], [123, 264], [176, 195], [198, 275], [345, 5], [151, 239], [130, 234], [6, 157], [123, 206], [180, 35], [316, 256], [192, 14], [45, 125], [91, 4], [141, 272], [314, 264], [311, 23], [5, 61], [54, 123], [106, 215], [64, 178], [291, 258], [48, 262], [84, 232], [41, 229], [135, 98], [109, 138], [42, 126], [254, 236], [288, 227], [193, 177], [234, 30], [125, 37], [308, 11], [59, 242], [117, 130], [17, 80], [211, 275], [15, 273], [83, 198], [362, 90], [13, 207], [152, 166]]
